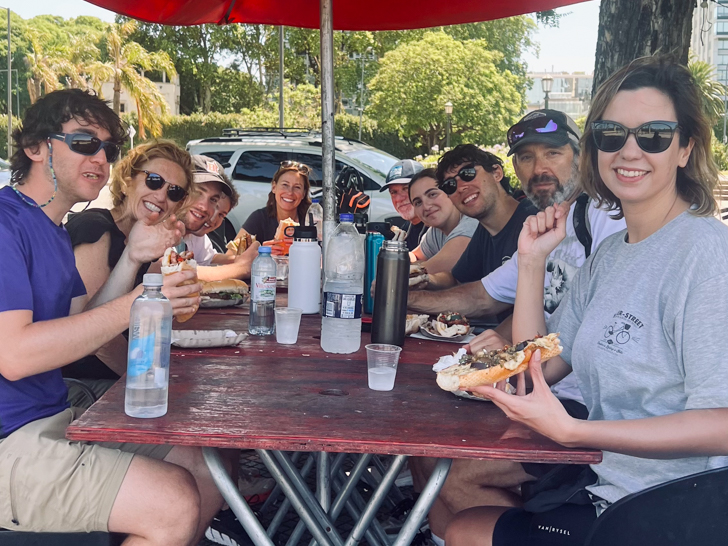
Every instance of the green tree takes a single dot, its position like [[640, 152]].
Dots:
[[711, 91], [486, 99], [233, 91], [129, 61]]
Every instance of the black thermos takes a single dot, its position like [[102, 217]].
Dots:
[[390, 295]]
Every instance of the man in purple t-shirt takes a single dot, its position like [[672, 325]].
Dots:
[[155, 494]]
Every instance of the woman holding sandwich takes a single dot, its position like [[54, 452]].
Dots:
[[288, 200], [643, 324], [149, 187]]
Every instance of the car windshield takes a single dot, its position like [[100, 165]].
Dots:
[[379, 161]]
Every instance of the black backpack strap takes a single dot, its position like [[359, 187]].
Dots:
[[581, 223]]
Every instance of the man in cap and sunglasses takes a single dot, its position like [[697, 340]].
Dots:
[[474, 181], [154, 494], [545, 149], [216, 196]]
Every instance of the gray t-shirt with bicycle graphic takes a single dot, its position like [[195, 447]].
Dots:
[[644, 327]]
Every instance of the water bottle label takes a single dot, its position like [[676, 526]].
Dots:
[[346, 306], [141, 355], [264, 289]]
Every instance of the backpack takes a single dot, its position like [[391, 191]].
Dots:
[[350, 196], [581, 223]]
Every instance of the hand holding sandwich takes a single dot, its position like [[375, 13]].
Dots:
[[539, 410], [185, 298]]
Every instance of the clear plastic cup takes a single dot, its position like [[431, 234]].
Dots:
[[288, 319], [382, 362]]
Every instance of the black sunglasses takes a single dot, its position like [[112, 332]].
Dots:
[[86, 144], [653, 137], [154, 182], [466, 174]]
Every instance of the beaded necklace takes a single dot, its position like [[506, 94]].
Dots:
[[55, 184]]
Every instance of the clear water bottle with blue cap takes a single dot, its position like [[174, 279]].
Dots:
[[150, 333], [262, 321], [343, 286]]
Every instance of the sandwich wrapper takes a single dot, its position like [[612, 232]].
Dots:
[[465, 339], [190, 339]]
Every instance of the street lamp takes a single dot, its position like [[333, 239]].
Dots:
[[546, 83], [448, 113]]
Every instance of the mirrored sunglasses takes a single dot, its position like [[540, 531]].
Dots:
[[542, 124], [86, 144], [302, 167], [154, 182], [652, 137]]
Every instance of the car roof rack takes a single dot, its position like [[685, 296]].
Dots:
[[284, 132]]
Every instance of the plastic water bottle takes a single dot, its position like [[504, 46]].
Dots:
[[343, 287], [316, 213], [263, 294], [304, 271], [150, 336]]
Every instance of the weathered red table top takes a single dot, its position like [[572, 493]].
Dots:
[[288, 402]]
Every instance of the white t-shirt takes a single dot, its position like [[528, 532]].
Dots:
[[433, 241], [561, 267], [202, 247]]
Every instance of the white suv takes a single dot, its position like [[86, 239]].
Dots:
[[251, 158]]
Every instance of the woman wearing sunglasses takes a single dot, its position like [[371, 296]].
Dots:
[[450, 230], [643, 325], [288, 198], [149, 185]]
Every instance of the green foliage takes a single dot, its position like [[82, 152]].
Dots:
[[4, 140], [233, 91], [711, 91], [347, 126], [720, 154], [486, 100]]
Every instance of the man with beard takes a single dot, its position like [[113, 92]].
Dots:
[[397, 181], [545, 149]]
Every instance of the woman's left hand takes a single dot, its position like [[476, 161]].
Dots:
[[539, 410], [146, 243]]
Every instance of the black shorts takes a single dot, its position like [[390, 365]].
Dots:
[[567, 525]]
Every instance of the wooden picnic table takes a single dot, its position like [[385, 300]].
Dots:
[[265, 396]]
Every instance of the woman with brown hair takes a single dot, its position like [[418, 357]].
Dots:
[[288, 199], [149, 187], [643, 323]]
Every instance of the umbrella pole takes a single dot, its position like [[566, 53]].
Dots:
[[327, 120]]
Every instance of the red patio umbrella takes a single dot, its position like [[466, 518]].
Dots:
[[347, 15]]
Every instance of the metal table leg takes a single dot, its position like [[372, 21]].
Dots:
[[232, 496], [424, 502], [286, 504]]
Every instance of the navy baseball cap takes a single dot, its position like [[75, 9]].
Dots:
[[402, 172], [550, 127]]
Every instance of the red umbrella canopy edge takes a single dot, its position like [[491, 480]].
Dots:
[[348, 14]]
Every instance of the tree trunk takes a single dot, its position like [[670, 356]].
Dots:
[[629, 29], [117, 93], [207, 99]]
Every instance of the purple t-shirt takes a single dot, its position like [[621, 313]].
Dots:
[[38, 273]]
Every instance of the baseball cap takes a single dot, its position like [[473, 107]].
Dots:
[[207, 169], [543, 127], [402, 172]]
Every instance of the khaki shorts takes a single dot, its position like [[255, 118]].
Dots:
[[49, 483]]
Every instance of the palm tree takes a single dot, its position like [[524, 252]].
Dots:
[[46, 67], [712, 92], [129, 61]]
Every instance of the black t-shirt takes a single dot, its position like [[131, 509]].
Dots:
[[88, 227], [415, 235], [262, 225], [222, 236], [485, 252]]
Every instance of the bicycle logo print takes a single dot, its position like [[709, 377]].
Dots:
[[618, 334]]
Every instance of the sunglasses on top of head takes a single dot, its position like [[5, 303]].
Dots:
[[543, 124], [301, 167], [154, 182], [652, 137], [450, 185], [85, 144]]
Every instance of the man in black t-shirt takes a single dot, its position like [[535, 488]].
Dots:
[[475, 183]]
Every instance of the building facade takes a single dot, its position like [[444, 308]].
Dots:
[[169, 90], [709, 41], [570, 92]]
